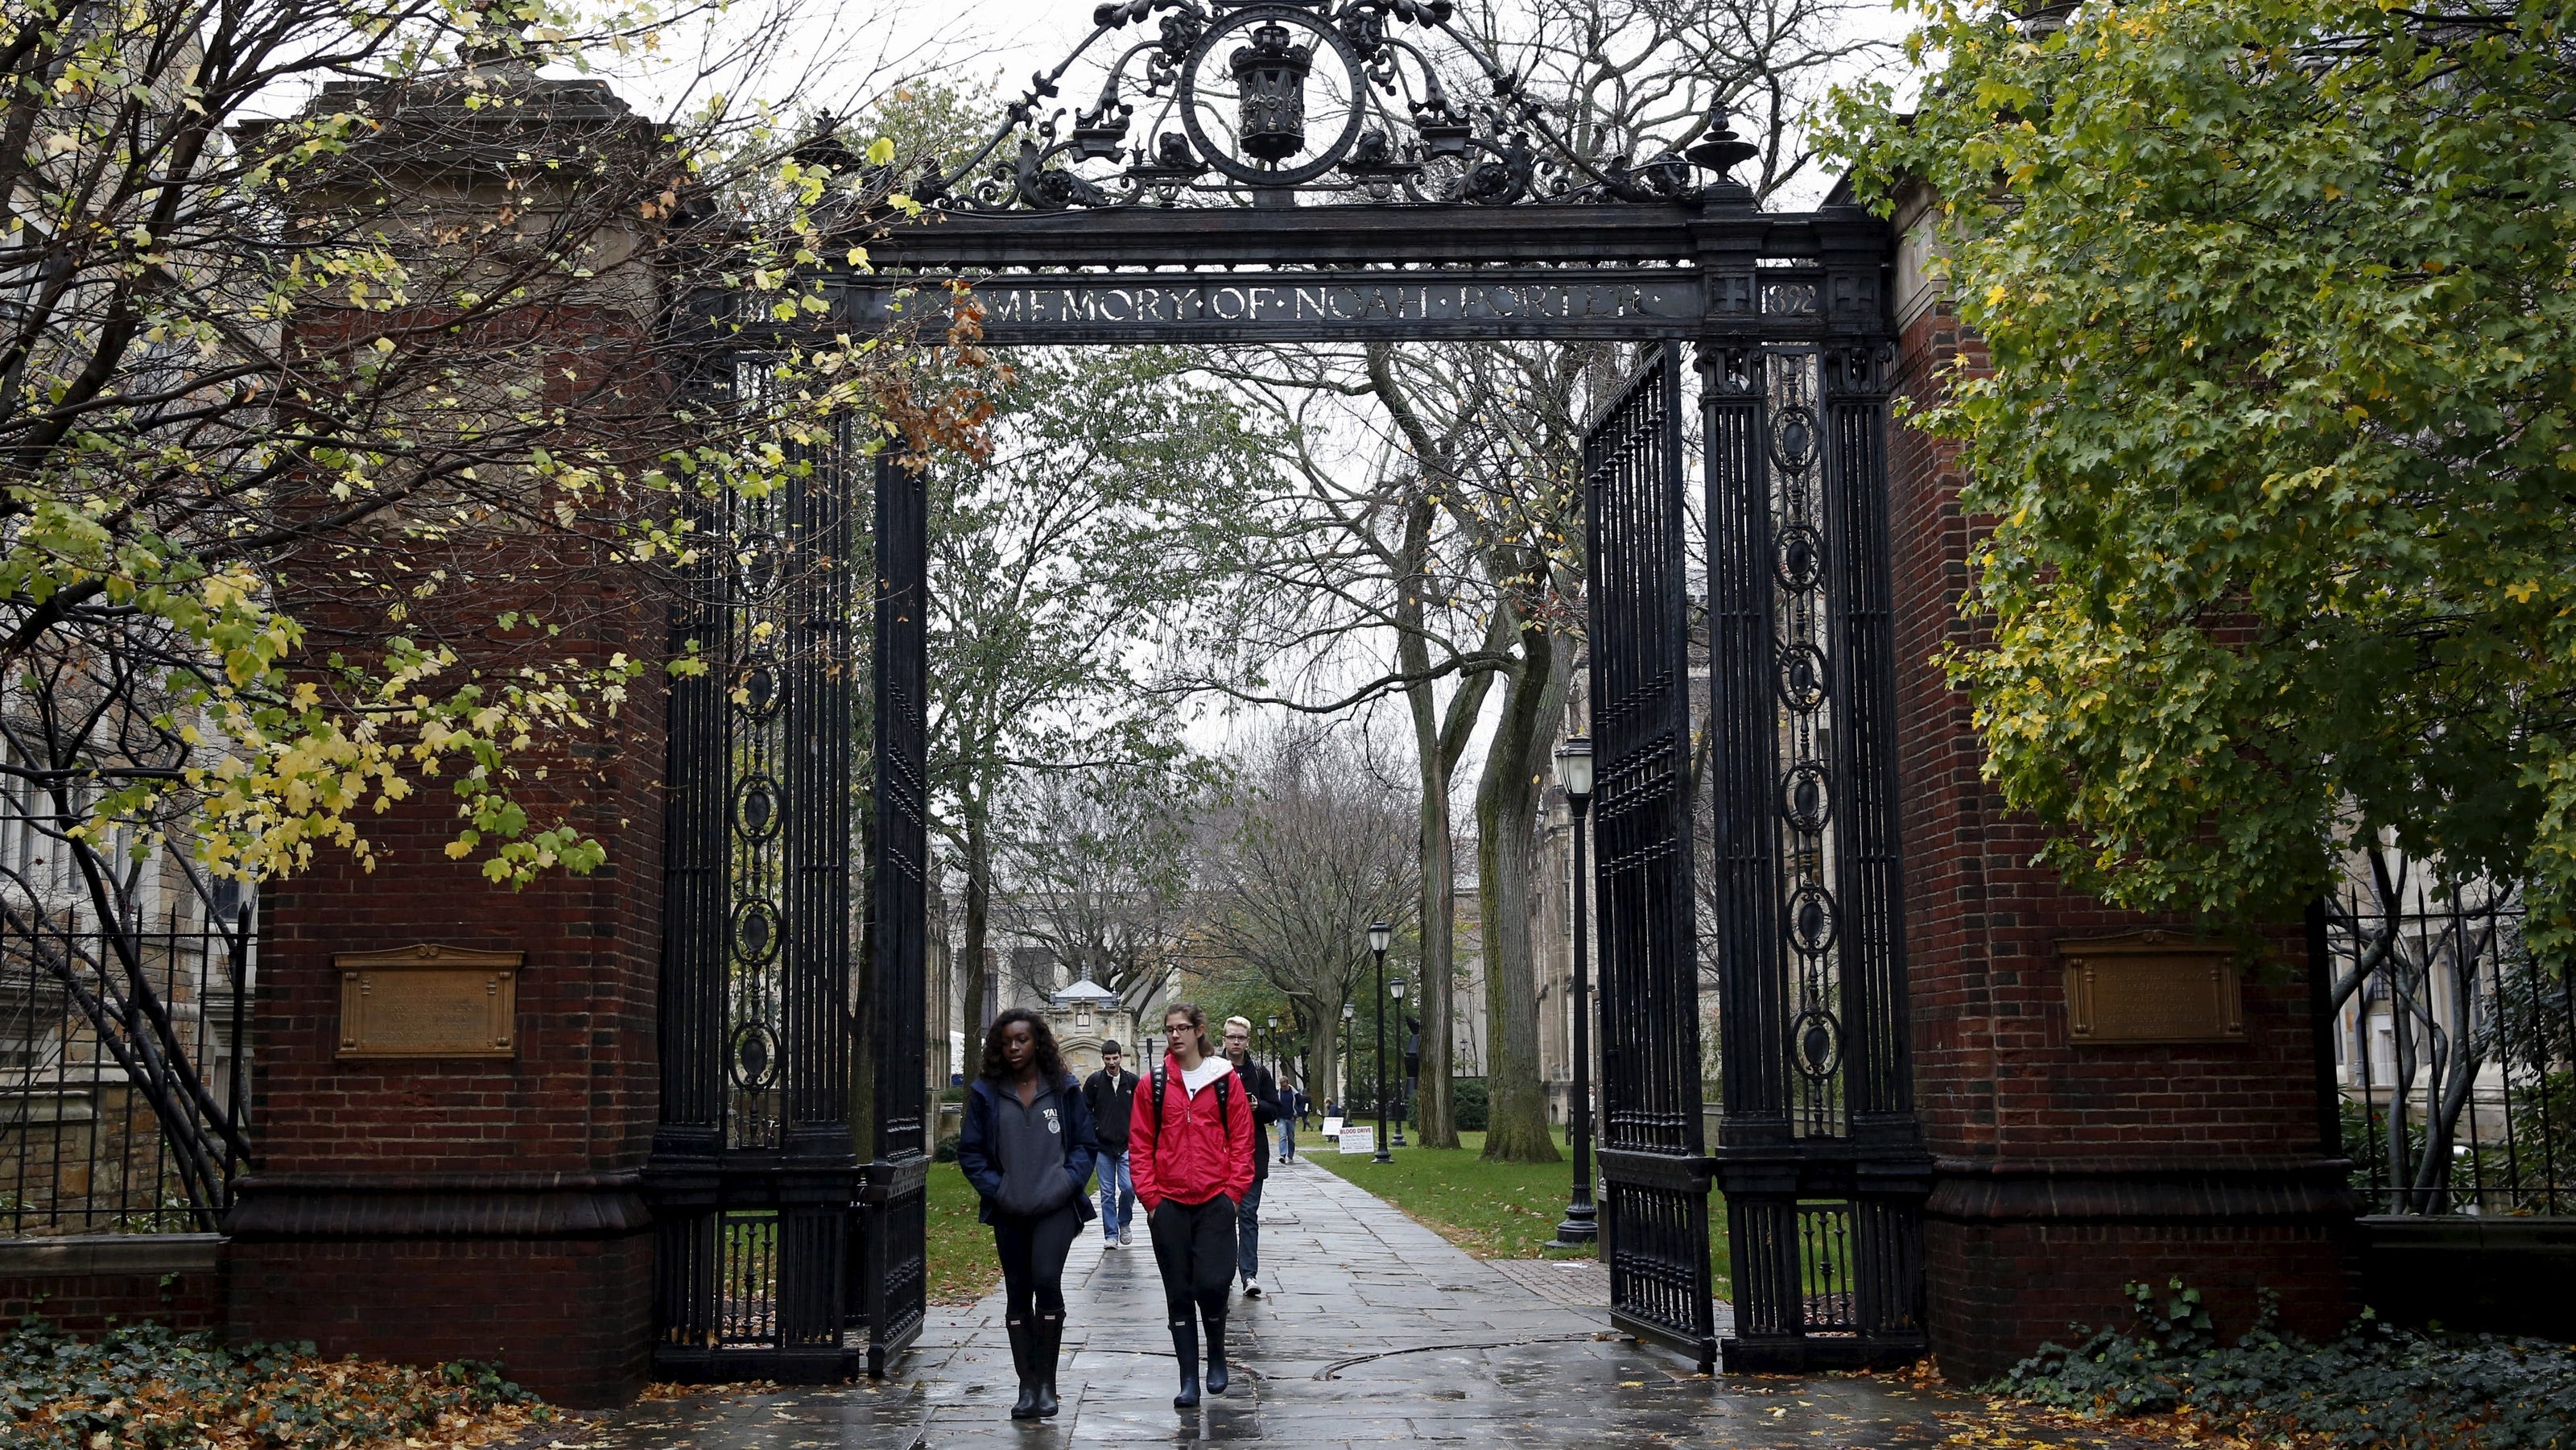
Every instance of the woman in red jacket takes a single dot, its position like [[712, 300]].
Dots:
[[1189, 1148]]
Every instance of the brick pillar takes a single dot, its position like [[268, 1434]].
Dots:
[[423, 1210], [2063, 1169], [427, 1208]]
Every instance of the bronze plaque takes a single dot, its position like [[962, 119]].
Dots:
[[2152, 986], [428, 1001]]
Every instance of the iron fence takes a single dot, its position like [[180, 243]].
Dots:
[[122, 1088], [2454, 1048]]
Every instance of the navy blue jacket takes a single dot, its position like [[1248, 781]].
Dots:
[[975, 1144]]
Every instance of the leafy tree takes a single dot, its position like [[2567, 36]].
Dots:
[[237, 347], [314, 454], [1063, 567], [2275, 441], [1317, 848], [1095, 865]]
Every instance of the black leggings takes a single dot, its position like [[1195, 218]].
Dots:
[[1194, 1247], [1032, 1250]]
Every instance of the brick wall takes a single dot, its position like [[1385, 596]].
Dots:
[[561, 1316], [88, 1282], [427, 1209], [2065, 1171]]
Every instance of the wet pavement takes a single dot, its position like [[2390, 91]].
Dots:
[[1373, 1331]]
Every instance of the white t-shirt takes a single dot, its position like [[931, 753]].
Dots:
[[1208, 1071]]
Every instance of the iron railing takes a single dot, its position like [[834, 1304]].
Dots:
[[2454, 1048], [122, 1082]]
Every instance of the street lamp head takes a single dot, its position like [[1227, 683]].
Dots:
[[1574, 768], [1350, 1010], [1379, 935], [1397, 989], [1274, 1021]]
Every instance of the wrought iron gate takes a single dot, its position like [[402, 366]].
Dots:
[[753, 1177], [1819, 1155], [1654, 1212], [893, 1293]]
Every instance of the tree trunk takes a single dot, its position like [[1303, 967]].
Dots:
[[1506, 811], [1439, 892], [1322, 1041], [979, 917]]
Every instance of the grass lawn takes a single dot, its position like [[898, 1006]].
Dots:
[[1492, 1210], [962, 1269]]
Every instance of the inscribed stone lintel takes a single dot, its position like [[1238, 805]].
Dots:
[[2149, 987], [428, 1001]]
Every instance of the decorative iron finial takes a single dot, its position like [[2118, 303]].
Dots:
[[1719, 149]]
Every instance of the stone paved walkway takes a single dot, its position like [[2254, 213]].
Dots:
[[1374, 1331]]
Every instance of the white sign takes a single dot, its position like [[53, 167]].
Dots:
[[1332, 1127], [1356, 1139]]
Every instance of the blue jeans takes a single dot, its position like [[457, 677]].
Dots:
[[1117, 1194], [1287, 1137], [1247, 1232]]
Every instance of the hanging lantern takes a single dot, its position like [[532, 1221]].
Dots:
[[1270, 91]]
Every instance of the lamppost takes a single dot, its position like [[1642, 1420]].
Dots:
[[1581, 1225], [1350, 1016], [1379, 935], [1278, 1051], [1398, 989]]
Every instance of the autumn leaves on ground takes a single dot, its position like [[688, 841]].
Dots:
[[144, 1387]]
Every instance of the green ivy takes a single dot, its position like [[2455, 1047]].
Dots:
[[2377, 1385], [146, 1387]]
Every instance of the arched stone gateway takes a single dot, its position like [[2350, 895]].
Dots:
[[1220, 190], [1300, 172]]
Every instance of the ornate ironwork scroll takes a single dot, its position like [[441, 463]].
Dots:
[[1819, 1154], [896, 1280], [1225, 102], [1654, 1216], [752, 1174]]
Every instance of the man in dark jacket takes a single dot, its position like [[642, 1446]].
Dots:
[[1111, 1095], [1263, 1090]]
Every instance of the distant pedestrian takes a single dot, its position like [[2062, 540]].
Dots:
[[1110, 1094], [1027, 1146], [1264, 1092], [1191, 1145], [1292, 1112]]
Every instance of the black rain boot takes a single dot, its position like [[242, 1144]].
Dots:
[[1044, 1351], [1023, 1352], [1216, 1375], [1185, 1348]]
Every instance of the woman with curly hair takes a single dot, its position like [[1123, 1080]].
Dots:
[[1027, 1146]]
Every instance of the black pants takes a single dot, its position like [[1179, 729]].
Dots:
[[1194, 1247], [1032, 1251]]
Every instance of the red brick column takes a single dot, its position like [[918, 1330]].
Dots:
[[2065, 1171], [424, 1210]]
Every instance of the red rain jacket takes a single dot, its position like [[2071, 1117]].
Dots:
[[1194, 1157]]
